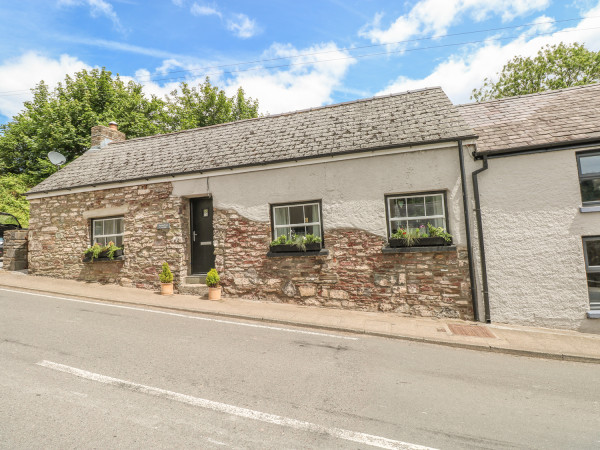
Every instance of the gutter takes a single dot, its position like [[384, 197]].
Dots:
[[484, 278], [468, 231]]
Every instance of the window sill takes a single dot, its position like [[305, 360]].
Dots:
[[444, 248], [116, 258], [589, 209], [322, 252], [594, 314]]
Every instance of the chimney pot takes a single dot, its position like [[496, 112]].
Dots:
[[113, 125]]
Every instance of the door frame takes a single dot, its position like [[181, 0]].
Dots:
[[190, 201]]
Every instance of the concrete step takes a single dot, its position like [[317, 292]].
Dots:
[[195, 279], [199, 290]]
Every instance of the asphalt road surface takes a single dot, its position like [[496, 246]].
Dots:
[[92, 375]]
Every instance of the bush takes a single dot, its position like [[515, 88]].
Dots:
[[166, 276], [212, 278]]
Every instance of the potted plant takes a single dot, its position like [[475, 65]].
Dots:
[[429, 236], [99, 252], [166, 280], [212, 281], [297, 243]]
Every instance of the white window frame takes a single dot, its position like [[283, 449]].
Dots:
[[103, 219], [292, 225], [391, 219], [587, 176], [590, 269]]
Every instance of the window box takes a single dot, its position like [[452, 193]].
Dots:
[[118, 256], [422, 242], [286, 248]]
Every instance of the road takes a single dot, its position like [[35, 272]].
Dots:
[[92, 375]]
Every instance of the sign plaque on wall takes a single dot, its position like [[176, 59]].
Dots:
[[163, 226]]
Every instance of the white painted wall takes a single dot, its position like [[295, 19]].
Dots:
[[532, 233], [352, 191]]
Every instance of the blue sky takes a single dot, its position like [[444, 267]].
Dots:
[[289, 54]]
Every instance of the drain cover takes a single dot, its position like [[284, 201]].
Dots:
[[470, 330]]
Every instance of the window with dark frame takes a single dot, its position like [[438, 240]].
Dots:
[[412, 211], [297, 219], [588, 165], [106, 230], [591, 249]]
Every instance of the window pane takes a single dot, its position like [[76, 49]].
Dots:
[[433, 206], [412, 224], [398, 206], [593, 252], [589, 164], [314, 229], [415, 206], [109, 226], [300, 230], [437, 223], [281, 216], [311, 213], [118, 241], [285, 231], [590, 190], [594, 290], [97, 227], [398, 224], [118, 226], [296, 214]]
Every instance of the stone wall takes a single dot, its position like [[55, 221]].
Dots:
[[15, 250], [60, 232], [356, 274]]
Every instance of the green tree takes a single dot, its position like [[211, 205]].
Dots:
[[61, 120], [12, 188], [554, 67]]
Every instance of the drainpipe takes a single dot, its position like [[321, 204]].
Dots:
[[468, 231], [486, 297]]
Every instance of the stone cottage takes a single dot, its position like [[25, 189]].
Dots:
[[217, 196]]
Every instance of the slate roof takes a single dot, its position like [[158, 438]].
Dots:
[[414, 117], [536, 120]]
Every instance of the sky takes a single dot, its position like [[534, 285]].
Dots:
[[289, 55]]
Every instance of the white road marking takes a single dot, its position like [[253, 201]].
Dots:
[[206, 319], [354, 436]]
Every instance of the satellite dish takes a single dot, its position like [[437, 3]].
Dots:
[[57, 159]]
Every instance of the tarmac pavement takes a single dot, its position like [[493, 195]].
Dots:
[[503, 338]]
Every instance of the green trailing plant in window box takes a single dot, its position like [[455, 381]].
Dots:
[[98, 252], [423, 236], [297, 242]]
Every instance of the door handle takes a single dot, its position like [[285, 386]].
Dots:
[[194, 235]]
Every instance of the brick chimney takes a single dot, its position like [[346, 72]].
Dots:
[[112, 133]]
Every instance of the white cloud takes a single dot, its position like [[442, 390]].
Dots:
[[178, 2], [204, 10], [462, 72], [23, 73], [434, 17], [97, 8], [305, 85], [242, 26]]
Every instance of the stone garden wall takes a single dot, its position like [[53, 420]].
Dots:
[[60, 232], [15, 250], [356, 274]]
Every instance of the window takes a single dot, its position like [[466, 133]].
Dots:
[[412, 211], [297, 218], [589, 177], [591, 248], [106, 230]]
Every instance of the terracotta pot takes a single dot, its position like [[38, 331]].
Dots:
[[166, 288], [214, 293]]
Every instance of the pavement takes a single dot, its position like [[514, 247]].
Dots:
[[502, 338]]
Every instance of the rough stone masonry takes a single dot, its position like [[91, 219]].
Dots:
[[356, 274]]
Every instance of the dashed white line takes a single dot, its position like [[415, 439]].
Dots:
[[186, 316], [354, 436]]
